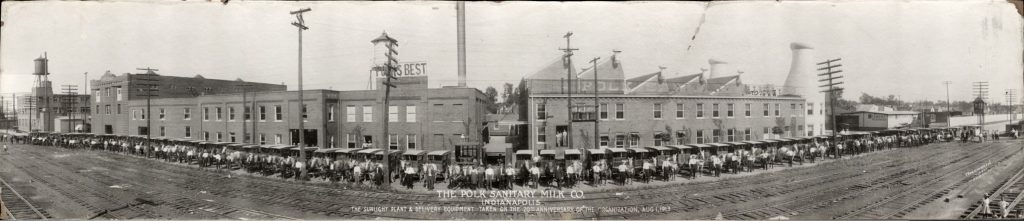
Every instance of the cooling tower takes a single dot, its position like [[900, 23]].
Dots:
[[802, 81], [716, 68]]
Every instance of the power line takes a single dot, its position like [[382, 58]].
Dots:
[[831, 75]]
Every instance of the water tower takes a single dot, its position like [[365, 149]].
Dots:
[[385, 54]]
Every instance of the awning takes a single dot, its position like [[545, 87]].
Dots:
[[392, 152], [284, 147], [347, 150], [326, 150], [617, 150], [718, 145], [438, 152], [597, 151], [414, 152], [572, 151], [524, 152], [640, 150], [661, 148], [754, 142], [699, 146], [369, 151], [547, 152], [735, 143], [680, 147]]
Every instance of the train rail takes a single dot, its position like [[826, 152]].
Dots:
[[17, 206], [1012, 189]]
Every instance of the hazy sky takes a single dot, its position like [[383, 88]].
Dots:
[[901, 48]]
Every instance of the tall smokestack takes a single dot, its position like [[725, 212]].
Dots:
[[460, 7], [800, 80], [716, 68]]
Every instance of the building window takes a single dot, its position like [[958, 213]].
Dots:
[[263, 112], [162, 114], [330, 113], [393, 141], [351, 140], [746, 134], [700, 136], [118, 108], [247, 112], [604, 111], [220, 137], [263, 139], [278, 113], [231, 113], [658, 139], [681, 137], [767, 108], [277, 139], [792, 107], [143, 113], [680, 110], [716, 136], [541, 113], [206, 135], [746, 110], [767, 131], [367, 113], [634, 139], [231, 136], [730, 135], [305, 112], [218, 113], [777, 110], [187, 113], [657, 111], [135, 115], [729, 112], [810, 130], [699, 110], [350, 114], [620, 111], [119, 95], [604, 140], [714, 110], [188, 131], [410, 141], [163, 131], [542, 135], [206, 113], [810, 108], [107, 109], [620, 140], [799, 127], [393, 113], [787, 130], [410, 114]]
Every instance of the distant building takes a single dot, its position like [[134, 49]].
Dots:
[[869, 120], [654, 110], [40, 109]]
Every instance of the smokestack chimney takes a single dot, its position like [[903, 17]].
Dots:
[[716, 68], [461, 11], [801, 78]]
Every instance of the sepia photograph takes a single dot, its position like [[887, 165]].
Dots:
[[519, 110]]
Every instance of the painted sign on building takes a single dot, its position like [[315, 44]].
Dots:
[[409, 69]]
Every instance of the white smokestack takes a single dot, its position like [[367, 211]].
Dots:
[[716, 68], [801, 72]]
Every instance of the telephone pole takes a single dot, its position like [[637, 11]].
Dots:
[[981, 91], [70, 103], [389, 68], [301, 25], [148, 86], [831, 76], [246, 113], [949, 114], [568, 72], [597, 112], [1011, 95]]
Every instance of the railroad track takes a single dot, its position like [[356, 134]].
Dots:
[[827, 197], [17, 206], [1012, 189]]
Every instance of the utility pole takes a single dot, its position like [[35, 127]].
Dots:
[[70, 102], [246, 112], [85, 90], [981, 91], [148, 85], [30, 104], [949, 113], [1011, 95], [830, 76], [301, 25], [568, 81], [389, 67], [597, 112]]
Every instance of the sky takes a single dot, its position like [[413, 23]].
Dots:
[[905, 48]]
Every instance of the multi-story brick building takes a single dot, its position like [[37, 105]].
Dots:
[[420, 117], [652, 110]]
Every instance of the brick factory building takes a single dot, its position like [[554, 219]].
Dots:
[[43, 110], [656, 110], [422, 118]]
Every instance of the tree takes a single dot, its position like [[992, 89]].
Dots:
[[492, 99], [507, 90], [522, 95]]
